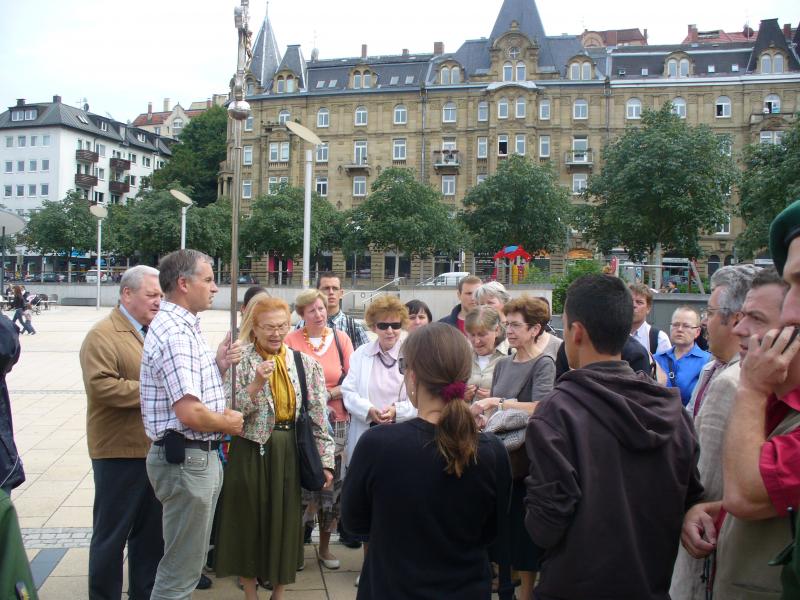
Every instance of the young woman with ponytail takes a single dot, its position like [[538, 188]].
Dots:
[[430, 492]]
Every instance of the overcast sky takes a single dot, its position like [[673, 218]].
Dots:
[[120, 55]]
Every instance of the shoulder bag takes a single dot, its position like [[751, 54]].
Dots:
[[312, 476]]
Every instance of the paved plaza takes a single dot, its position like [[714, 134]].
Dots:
[[55, 503]]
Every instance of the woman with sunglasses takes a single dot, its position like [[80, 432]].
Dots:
[[373, 390], [431, 492]]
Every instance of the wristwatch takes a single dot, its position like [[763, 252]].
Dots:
[[500, 405]]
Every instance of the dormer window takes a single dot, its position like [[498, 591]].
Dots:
[[771, 63], [290, 84], [508, 72], [280, 85], [521, 71], [362, 79], [580, 70], [678, 67], [448, 75], [514, 71]]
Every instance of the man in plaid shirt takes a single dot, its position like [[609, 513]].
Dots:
[[183, 409]]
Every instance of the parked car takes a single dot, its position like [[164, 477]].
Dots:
[[91, 276], [447, 279], [53, 278]]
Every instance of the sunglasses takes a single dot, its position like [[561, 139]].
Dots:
[[401, 365], [385, 326]]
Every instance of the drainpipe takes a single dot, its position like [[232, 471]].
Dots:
[[423, 93]]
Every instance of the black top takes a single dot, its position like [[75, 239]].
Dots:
[[613, 470], [633, 353], [428, 531]]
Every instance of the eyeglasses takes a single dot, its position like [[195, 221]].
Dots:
[[282, 328], [401, 365], [683, 326], [515, 325], [385, 326]]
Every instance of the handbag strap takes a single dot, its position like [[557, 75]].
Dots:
[[341, 355], [301, 375], [529, 377]]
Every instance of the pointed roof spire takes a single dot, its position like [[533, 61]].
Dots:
[[526, 15], [266, 56]]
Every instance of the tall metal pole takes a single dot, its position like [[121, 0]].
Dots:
[[183, 226], [307, 225], [99, 245], [3, 264], [238, 111]]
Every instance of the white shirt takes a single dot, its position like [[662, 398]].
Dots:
[[642, 335]]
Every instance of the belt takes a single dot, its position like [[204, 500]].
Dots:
[[208, 445], [284, 425]]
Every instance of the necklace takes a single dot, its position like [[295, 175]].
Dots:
[[386, 362], [308, 340]]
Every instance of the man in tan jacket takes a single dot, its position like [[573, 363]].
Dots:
[[125, 507]]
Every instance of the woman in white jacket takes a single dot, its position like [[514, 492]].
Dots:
[[373, 390]]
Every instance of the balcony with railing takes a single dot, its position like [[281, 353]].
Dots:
[[359, 165], [120, 164], [119, 187], [579, 158], [446, 161], [85, 181], [87, 156]]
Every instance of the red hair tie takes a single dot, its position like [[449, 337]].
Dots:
[[453, 390]]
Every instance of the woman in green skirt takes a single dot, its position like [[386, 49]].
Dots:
[[260, 530]]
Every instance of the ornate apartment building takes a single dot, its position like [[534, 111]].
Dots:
[[454, 116]]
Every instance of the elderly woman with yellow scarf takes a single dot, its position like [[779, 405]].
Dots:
[[260, 529]]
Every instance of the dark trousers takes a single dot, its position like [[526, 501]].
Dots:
[[125, 511]]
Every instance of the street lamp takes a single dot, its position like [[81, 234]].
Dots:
[[186, 202], [100, 212], [305, 134], [11, 223]]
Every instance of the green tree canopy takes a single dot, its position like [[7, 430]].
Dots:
[[770, 182], [661, 186], [275, 224], [196, 158], [62, 225], [404, 215], [523, 203]]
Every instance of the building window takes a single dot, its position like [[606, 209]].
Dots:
[[290, 85], [7, 191], [360, 152], [448, 185], [17, 115], [483, 147], [771, 137], [399, 149], [280, 87], [31, 114], [34, 140], [9, 141], [9, 168], [766, 63], [580, 149], [483, 111], [279, 152], [31, 190], [357, 80], [633, 109], [544, 110], [101, 174], [449, 143], [678, 68], [544, 146], [322, 153], [322, 186], [20, 191], [284, 151], [177, 126], [580, 110], [361, 116], [725, 228], [133, 180], [367, 79], [579, 183], [521, 71], [502, 145], [283, 116], [575, 71], [586, 71], [157, 132], [132, 157], [359, 186], [323, 117], [455, 75], [679, 107], [502, 108], [45, 164], [449, 113], [247, 155], [146, 161], [45, 140], [20, 166], [772, 104], [521, 108], [247, 189], [519, 144], [44, 189], [400, 115], [723, 107], [508, 72], [21, 141], [248, 125], [481, 178], [777, 64], [444, 76]]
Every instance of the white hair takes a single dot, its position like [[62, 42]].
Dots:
[[492, 289], [133, 277]]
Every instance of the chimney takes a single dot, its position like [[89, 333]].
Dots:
[[645, 36], [405, 51], [363, 51], [787, 31], [20, 101], [208, 103], [149, 108], [166, 104], [692, 37], [56, 99], [438, 48]]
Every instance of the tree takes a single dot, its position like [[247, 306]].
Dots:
[[61, 226], [523, 203], [275, 224], [196, 158], [661, 185], [770, 182], [404, 215]]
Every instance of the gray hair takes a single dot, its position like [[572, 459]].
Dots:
[[181, 263], [485, 317], [133, 277], [769, 276], [734, 282], [492, 289]]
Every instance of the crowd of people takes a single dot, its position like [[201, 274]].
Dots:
[[482, 453]]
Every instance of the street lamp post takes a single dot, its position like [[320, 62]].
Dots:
[[10, 224], [305, 134], [100, 212], [186, 203]]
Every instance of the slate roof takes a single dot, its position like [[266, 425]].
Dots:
[[266, 55], [57, 114], [293, 61], [632, 59], [771, 34]]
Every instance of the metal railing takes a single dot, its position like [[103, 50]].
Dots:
[[368, 296]]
